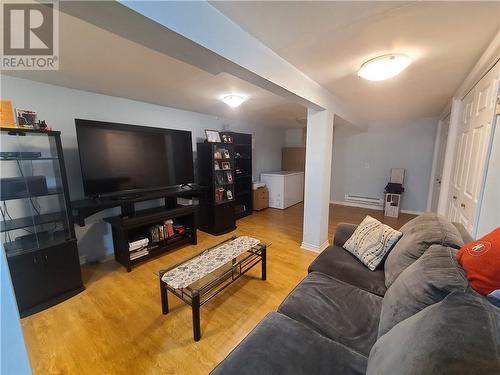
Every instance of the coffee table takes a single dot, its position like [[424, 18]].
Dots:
[[201, 277]]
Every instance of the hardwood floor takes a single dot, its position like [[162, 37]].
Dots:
[[116, 327]]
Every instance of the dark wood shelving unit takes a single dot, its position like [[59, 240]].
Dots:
[[243, 163], [218, 216], [23, 222], [38, 236], [216, 209], [27, 194], [128, 229]]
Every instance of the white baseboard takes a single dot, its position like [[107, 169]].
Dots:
[[314, 248], [372, 207], [359, 205], [412, 212]]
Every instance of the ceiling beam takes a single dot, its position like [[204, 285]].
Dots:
[[198, 34]]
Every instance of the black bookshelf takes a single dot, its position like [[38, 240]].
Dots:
[[243, 173], [217, 206], [37, 229]]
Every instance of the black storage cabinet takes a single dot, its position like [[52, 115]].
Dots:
[[242, 144], [37, 229], [216, 216]]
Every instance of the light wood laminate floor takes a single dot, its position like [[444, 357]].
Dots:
[[116, 327]]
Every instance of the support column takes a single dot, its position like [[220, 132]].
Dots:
[[317, 179]]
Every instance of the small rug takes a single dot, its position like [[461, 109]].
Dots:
[[207, 262]]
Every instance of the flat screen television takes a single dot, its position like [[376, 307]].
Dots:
[[119, 159]]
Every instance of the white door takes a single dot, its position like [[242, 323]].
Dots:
[[443, 139], [473, 137]]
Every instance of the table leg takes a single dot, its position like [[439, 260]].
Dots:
[[264, 262], [164, 298], [196, 316]]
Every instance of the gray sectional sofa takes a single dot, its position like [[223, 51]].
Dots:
[[416, 314]]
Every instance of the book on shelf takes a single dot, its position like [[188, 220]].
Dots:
[[169, 228], [134, 245], [164, 231], [139, 254]]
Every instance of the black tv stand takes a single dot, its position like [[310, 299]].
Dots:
[[125, 197], [86, 207], [127, 229]]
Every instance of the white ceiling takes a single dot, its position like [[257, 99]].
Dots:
[[97, 60], [330, 40], [326, 40]]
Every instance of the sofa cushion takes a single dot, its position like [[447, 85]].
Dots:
[[418, 234], [481, 262], [339, 263], [280, 345], [343, 231], [337, 310], [425, 282], [371, 241], [459, 335]]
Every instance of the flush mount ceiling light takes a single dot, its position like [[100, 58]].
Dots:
[[233, 100], [384, 67]]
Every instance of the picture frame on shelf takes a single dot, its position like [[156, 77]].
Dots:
[[217, 154], [220, 178], [226, 165], [227, 138], [227, 155], [213, 136], [229, 194], [229, 177], [219, 195], [216, 166], [26, 118]]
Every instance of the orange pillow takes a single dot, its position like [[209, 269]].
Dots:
[[481, 262]]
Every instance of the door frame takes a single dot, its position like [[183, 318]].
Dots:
[[489, 58], [456, 112], [437, 150]]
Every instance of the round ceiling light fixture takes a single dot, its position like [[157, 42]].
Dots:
[[384, 67], [233, 100]]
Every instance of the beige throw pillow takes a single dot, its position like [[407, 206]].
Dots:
[[371, 241]]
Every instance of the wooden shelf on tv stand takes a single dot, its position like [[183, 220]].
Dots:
[[123, 226]]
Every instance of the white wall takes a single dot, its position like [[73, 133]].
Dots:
[[295, 137], [60, 106], [362, 160]]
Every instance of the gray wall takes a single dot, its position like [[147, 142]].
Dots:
[[60, 106], [362, 160]]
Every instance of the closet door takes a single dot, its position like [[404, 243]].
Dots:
[[474, 132]]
